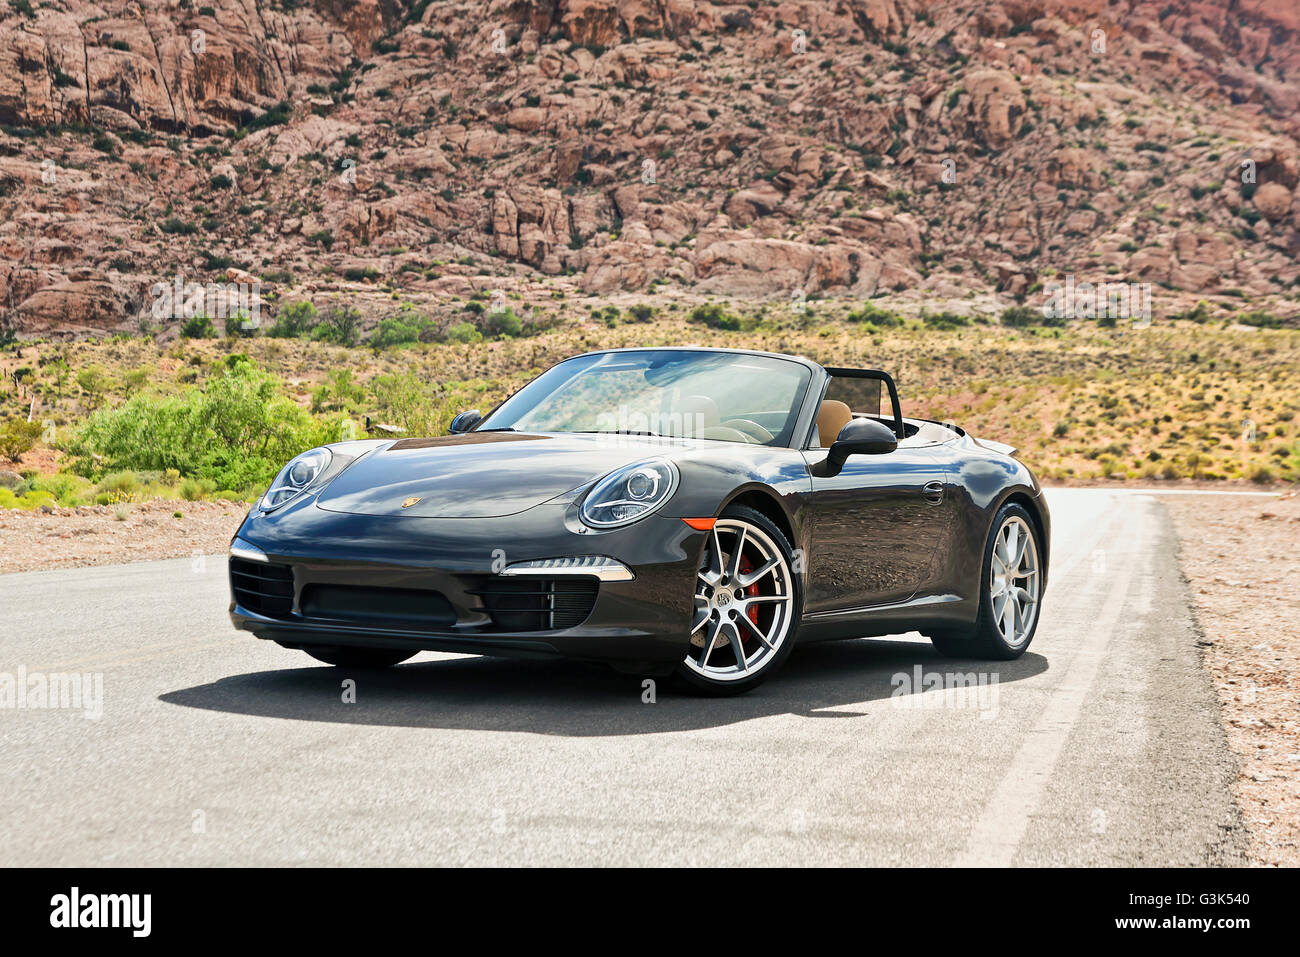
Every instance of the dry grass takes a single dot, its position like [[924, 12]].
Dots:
[[1168, 402]]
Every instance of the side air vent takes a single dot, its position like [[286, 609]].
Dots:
[[262, 588], [536, 603]]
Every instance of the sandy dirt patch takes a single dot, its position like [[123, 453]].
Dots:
[[1242, 559]]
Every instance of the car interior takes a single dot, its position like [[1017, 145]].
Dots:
[[835, 413]]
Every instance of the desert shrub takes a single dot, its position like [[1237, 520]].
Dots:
[[119, 487], [503, 323], [174, 226], [1020, 316], [641, 312], [194, 489], [870, 312], [66, 489], [340, 325], [18, 436], [338, 393], [406, 327], [418, 406], [464, 332], [238, 430], [277, 115], [1261, 319], [713, 315], [944, 320], [28, 501], [295, 321], [198, 327]]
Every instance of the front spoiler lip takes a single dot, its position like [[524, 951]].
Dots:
[[616, 643]]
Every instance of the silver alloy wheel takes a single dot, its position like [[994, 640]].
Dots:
[[1014, 581], [744, 601]]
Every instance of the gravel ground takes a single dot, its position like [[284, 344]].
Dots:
[[1242, 559], [95, 535]]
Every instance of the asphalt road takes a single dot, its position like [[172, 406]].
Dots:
[[1101, 746]]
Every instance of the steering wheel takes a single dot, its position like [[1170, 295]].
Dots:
[[751, 429]]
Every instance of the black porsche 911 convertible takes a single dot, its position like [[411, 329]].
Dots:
[[664, 510]]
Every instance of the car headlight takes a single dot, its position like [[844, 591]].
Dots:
[[295, 478], [630, 493]]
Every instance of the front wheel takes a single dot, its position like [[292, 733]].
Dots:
[[1011, 586], [747, 604], [360, 657]]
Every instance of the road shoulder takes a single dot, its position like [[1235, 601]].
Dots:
[[1240, 560]]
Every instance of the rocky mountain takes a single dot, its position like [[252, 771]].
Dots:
[[422, 151]]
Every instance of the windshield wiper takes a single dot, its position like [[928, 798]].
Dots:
[[504, 428], [657, 435]]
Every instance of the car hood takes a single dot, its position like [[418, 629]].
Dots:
[[481, 474]]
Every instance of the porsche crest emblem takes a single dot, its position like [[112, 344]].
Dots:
[[413, 500]]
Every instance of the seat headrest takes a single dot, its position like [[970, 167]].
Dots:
[[831, 417], [697, 413]]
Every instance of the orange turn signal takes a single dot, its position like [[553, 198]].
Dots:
[[700, 524]]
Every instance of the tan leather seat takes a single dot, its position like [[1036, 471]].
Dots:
[[831, 417]]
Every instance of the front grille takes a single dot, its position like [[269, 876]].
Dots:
[[262, 588], [537, 604], [407, 607]]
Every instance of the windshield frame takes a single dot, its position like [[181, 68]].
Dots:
[[799, 405]]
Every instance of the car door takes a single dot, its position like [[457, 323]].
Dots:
[[874, 527]]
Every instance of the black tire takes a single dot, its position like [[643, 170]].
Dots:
[[703, 685], [360, 657], [984, 640]]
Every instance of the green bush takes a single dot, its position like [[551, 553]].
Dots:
[[1261, 319], [406, 327], [464, 332], [27, 501], [873, 314], [295, 321], [194, 489], [1021, 316], [340, 325], [238, 430], [198, 327], [503, 323], [18, 436], [66, 489], [713, 315], [944, 320], [119, 487]]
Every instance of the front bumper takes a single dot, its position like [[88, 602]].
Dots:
[[435, 584]]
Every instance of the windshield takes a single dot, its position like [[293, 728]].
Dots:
[[729, 397]]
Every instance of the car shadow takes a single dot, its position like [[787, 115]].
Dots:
[[558, 697]]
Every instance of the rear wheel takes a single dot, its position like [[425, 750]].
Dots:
[[360, 657], [1011, 585], [747, 605]]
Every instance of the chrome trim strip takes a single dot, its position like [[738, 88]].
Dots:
[[609, 571], [242, 549]]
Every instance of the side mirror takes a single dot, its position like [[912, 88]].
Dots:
[[465, 422], [858, 437]]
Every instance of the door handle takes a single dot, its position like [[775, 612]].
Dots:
[[933, 492]]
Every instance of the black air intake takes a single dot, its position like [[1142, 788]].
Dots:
[[529, 603], [262, 588]]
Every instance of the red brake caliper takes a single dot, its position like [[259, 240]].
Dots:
[[746, 566]]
